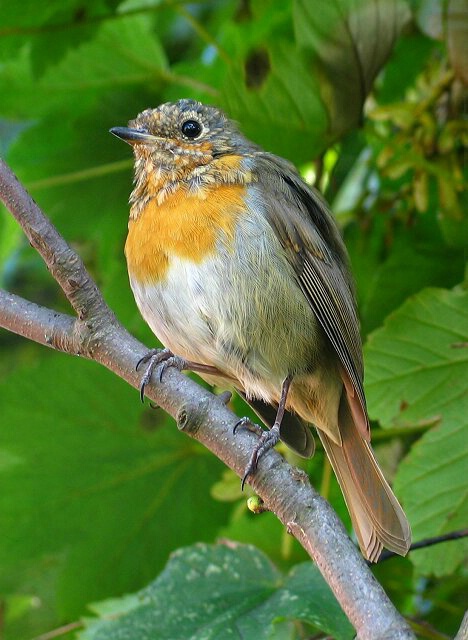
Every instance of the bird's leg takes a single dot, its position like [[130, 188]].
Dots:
[[268, 439], [164, 358]]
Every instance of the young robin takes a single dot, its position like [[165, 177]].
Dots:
[[239, 269]]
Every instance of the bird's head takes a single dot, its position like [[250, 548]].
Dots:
[[181, 134]]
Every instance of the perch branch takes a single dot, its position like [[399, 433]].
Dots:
[[97, 335]]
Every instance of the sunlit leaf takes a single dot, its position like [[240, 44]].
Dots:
[[417, 371], [432, 484]]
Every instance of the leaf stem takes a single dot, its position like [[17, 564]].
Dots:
[[60, 631], [202, 32], [80, 176]]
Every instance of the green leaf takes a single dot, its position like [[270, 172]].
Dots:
[[219, 592], [407, 61], [122, 53], [276, 118], [11, 238], [288, 82], [417, 371], [432, 484], [75, 173], [95, 481], [51, 30], [455, 231]]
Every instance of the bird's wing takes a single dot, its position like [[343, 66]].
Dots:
[[313, 246]]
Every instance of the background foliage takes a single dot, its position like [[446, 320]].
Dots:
[[367, 98]]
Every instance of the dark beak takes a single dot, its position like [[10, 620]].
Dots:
[[132, 136]]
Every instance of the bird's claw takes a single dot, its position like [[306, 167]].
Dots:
[[247, 423], [162, 358], [268, 439]]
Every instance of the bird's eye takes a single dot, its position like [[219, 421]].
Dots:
[[191, 129]]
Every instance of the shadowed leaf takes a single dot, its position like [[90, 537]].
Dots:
[[226, 591]]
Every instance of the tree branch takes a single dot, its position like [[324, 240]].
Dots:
[[37, 323], [286, 491], [64, 264], [463, 631]]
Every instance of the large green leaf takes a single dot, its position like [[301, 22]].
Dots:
[[417, 371], [122, 53], [407, 61], [95, 483], [267, 83], [272, 114], [51, 29], [220, 592]]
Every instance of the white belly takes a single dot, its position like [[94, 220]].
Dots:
[[239, 311], [180, 310]]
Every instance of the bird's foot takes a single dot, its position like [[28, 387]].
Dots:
[[162, 358], [268, 439], [247, 423]]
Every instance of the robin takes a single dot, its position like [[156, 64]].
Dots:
[[239, 269]]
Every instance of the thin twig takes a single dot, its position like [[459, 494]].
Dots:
[[82, 175], [427, 542]]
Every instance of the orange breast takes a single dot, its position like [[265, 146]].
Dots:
[[184, 225]]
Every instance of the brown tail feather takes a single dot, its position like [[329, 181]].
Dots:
[[377, 517]]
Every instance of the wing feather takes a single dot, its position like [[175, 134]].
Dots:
[[314, 247]]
